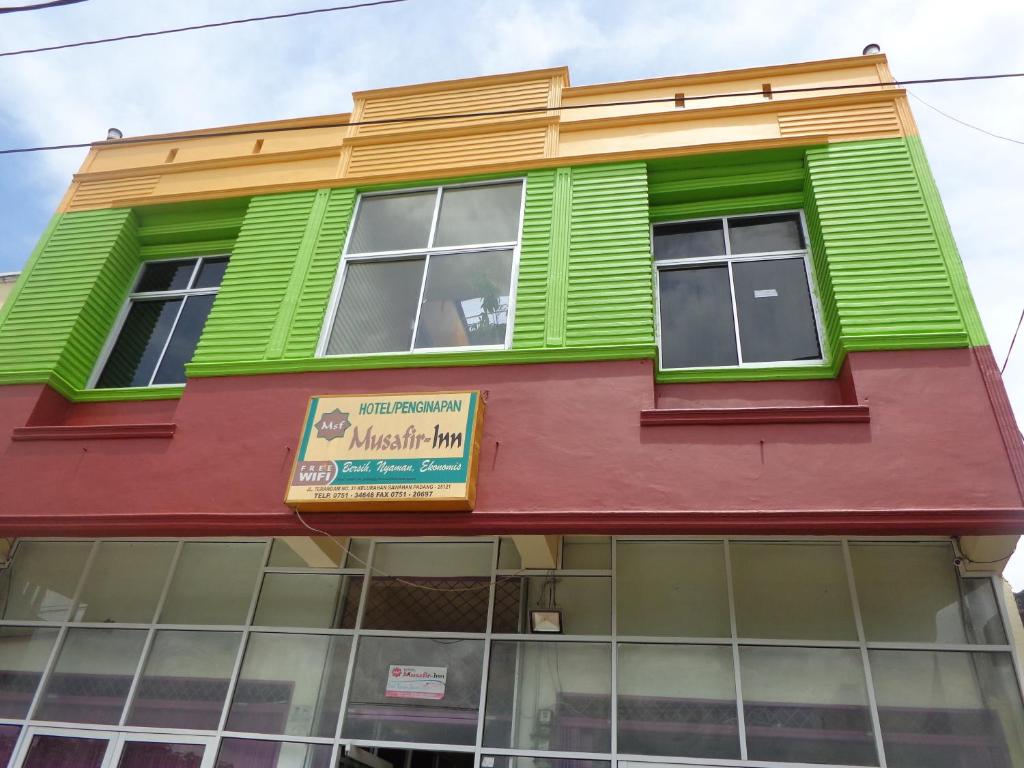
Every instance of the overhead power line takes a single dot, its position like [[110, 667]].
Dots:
[[965, 123], [37, 6], [1002, 368], [500, 112], [194, 27]]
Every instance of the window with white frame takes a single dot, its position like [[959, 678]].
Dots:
[[428, 270], [160, 325], [735, 291]]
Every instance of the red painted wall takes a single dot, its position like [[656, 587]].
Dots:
[[563, 451]]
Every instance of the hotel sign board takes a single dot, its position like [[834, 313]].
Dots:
[[406, 452]]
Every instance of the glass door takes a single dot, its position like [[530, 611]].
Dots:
[[81, 748], [65, 748], [141, 750]]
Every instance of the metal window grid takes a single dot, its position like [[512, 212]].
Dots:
[[117, 734], [425, 253], [728, 259]]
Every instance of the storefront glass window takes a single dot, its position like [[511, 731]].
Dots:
[[791, 591], [185, 680], [946, 709], [40, 585], [677, 700], [388, 704], [806, 705], [308, 600], [912, 593], [549, 695], [672, 588], [24, 652], [584, 602], [252, 753], [290, 684], [125, 581], [282, 653], [92, 676], [213, 583]]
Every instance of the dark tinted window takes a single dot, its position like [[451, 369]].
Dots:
[[776, 318], [763, 234], [689, 240], [137, 351], [184, 339], [166, 275], [696, 317]]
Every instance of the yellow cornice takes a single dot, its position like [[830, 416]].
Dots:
[[465, 83], [363, 182], [774, 70], [705, 113]]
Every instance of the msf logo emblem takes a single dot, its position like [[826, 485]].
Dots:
[[333, 424]]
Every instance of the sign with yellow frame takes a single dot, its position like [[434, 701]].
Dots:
[[390, 451]]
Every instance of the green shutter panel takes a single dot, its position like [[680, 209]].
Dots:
[[72, 291], [610, 294], [889, 275], [531, 289], [246, 310]]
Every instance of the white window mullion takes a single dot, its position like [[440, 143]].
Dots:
[[419, 304], [167, 342], [735, 315]]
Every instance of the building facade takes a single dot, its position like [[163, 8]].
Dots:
[[509, 424]]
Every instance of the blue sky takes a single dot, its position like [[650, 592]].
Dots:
[[310, 65]]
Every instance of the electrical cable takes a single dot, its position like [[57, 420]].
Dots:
[[194, 27], [494, 112], [1013, 341], [38, 6], [964, 122]]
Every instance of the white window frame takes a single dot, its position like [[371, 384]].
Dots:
[[134, 296], [425, 254], [728, 259], [116, 742]]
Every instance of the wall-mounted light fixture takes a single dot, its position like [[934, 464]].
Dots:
[[871, 48], [546, 621]]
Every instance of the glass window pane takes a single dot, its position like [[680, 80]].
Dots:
[[672, 588], [182, 345], [393, 222], [943, 709], [678, 700], [41, 583], [47, 751], [775, 313], [791, 591], [185, 680], [166, 275], [251, 753], [806, 705], [161, 754], [93, 674], [290, 684], [430, 587], [24, 652], [526, 761], [139, 344], [696, 317], [211, 273], [465, 301], [587, 552], [584, 602], [377, 308], [912, 593], [8, 738], [549, 695], [125, 581], [213, 583], [689, 240], [306, 552], [764, 234], [508, 554], [308, 600], [382, 711], [484, 214]]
